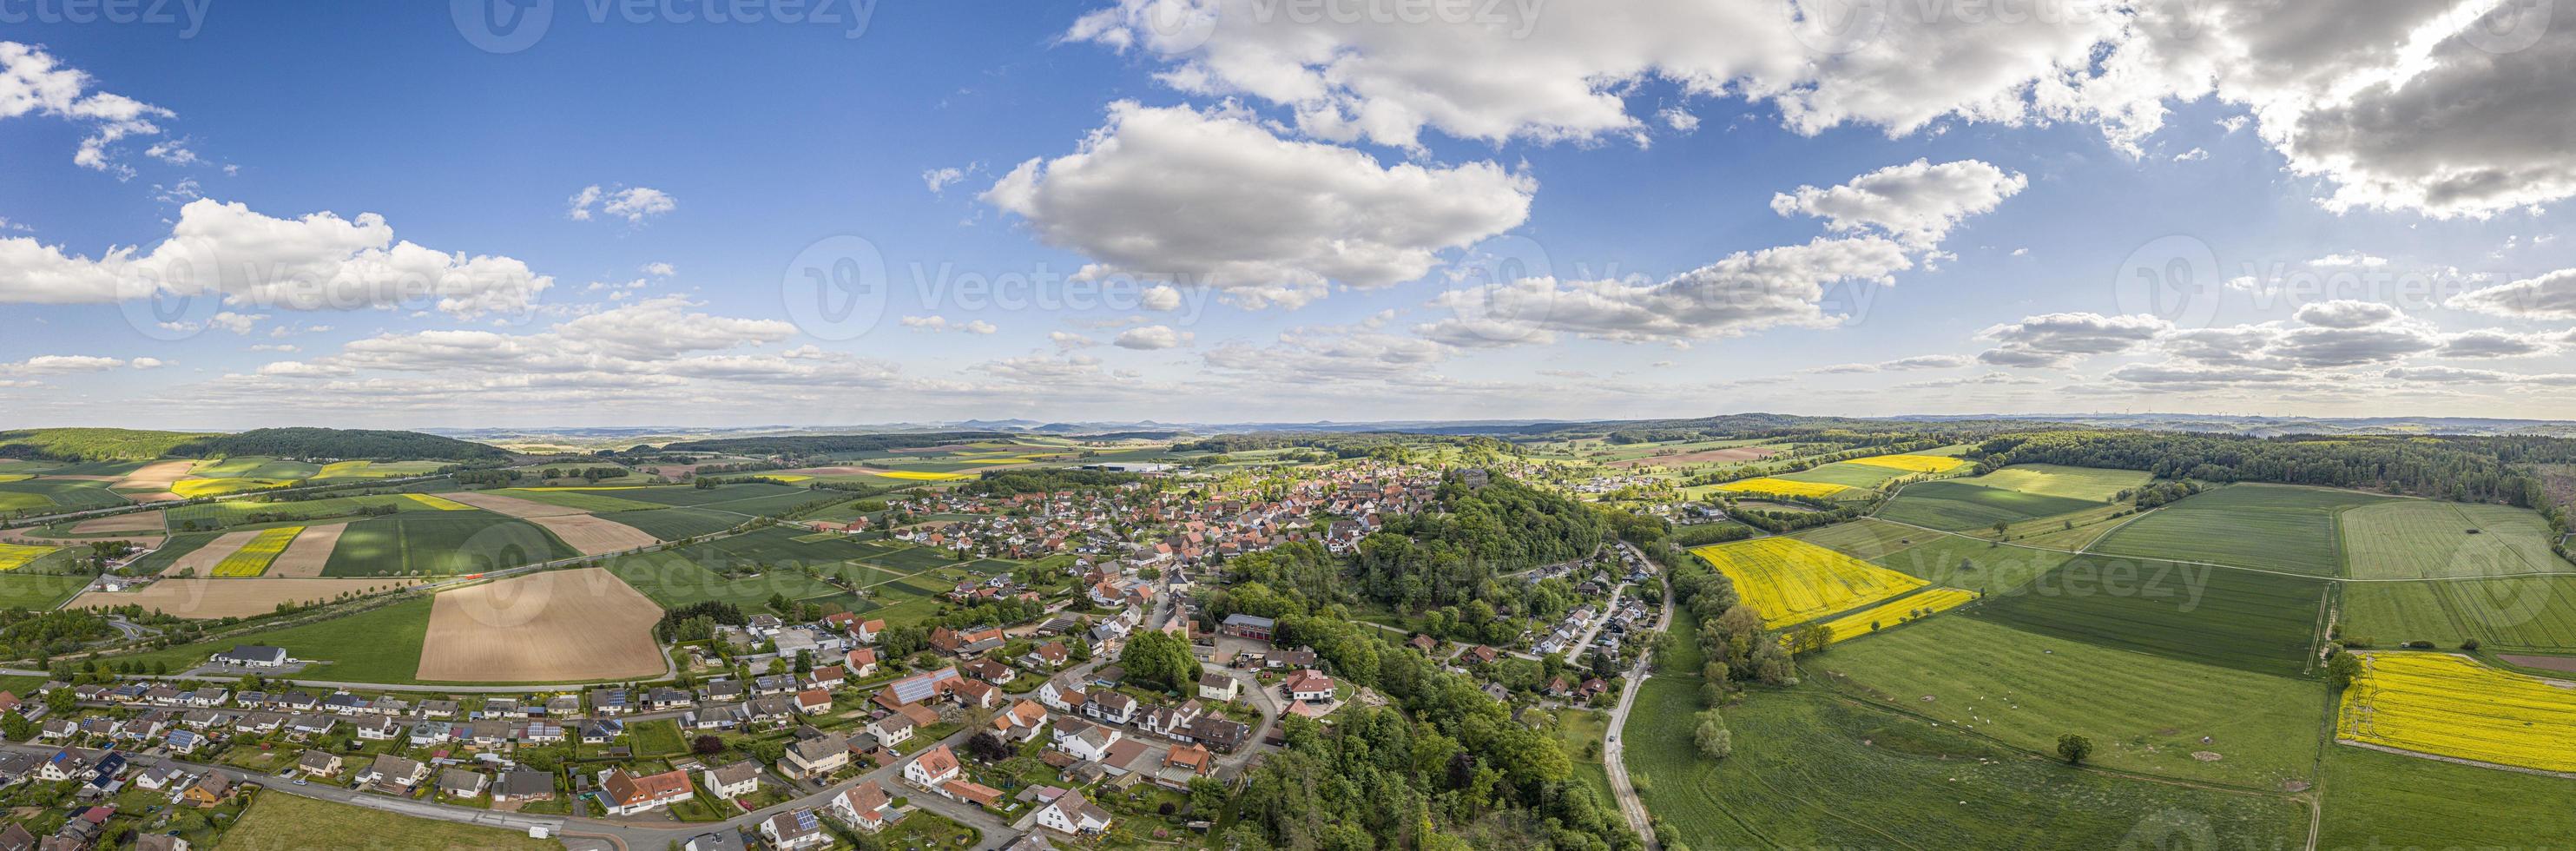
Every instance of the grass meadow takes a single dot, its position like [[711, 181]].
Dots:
[[38, 592], [2425, 539], [2144, 712], [2250, 621], [2270, 527], [1814, 771], [2384, 800], [380, 645], [2536, 613]]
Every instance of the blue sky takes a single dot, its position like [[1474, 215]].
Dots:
[[1285, 213]]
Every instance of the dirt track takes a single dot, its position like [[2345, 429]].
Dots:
[[559, 626]]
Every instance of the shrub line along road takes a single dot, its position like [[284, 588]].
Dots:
[[1613, 757]]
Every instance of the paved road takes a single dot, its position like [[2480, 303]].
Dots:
[[1613, 755], [1584, 645]]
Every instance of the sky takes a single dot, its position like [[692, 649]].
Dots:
[[531, 213]]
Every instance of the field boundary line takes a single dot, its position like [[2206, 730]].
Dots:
[[2571, 775], [2115, 529]]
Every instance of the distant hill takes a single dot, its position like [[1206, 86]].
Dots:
[[120, 444], [826, 444]]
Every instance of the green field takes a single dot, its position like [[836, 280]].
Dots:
[[435, 543], [1809, 771], [1959, 506], [1847, 474], [172, 548], [599, 500], [1579, 731], [1865, 538], [36, 592], [686, 496], [672, 580], [2143, 712], [2424, 539], [1972, 564], [915, 559], [380, 645], [346, 470], [2092, 484], [671, 524], [53, 496], [2259, 622], [217, 515], [279, 821], [2382, 800], [254, 468], [779, 546], [2533, 613], [2272, 527]]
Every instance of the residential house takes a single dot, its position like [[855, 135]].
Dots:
[[461, 783], [795, 829], [391, 771], [1070, 813], [1309, 685], [1110, 706], [627, 794], [1219, 687], [816, 756], [318, 763], [734, 780], [933, 767], [1021, 722], [861, 662], [253, 656], [865, 806], [813, 701], [210, 790], [524, 784], [894, 729]]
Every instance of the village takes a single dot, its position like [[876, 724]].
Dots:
[[794, 735]]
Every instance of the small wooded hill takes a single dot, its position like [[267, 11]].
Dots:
[[119, 444]]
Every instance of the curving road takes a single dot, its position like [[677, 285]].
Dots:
[[1613, 757]]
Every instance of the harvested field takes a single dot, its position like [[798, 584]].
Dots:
[[156, 476], [509, 506], [203, 560], [560, 626], [1712, 456], [594, 535], [826, 471], [310, 551], [2545, 663], [140, 521], [221, 598]]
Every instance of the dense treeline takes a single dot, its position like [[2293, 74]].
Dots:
[[1444, 557], [122, 444], [1364, 444], [2465, 469], [92, 444], [826, 444], [341, 443], [1010, 482]]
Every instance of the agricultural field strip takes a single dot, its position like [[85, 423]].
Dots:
[[2450, 706], [2087, 551]]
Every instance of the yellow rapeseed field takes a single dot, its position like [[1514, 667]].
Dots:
[[193, 488], [1893, 612], [14, 556], [1914, 463], [1783, 487], [1792, 581], [253, 558], [2446, 705], [439, 502]]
